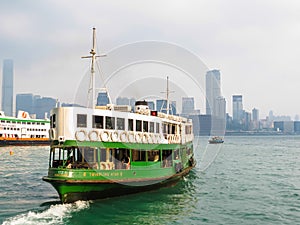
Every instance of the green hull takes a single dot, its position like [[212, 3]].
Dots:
[[73, 190]]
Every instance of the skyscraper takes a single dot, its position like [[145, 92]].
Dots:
[[255, 114], [7, 87], [188, 105], [237, 107], [220, 108], [213, 90]]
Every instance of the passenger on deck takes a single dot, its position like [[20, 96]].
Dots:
[[126, 161], [69, 163]]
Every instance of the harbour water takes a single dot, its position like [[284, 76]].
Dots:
[[246, 180]]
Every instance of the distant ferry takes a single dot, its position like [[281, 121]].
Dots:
[[23, 130], [216, 140]]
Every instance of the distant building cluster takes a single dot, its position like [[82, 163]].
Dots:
[[37, 106], [214, 122]]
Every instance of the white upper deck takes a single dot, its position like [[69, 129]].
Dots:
[[108, 125]]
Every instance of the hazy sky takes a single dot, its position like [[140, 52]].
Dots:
[[254, 43]]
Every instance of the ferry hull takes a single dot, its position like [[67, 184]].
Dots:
[[25, 142], [71, 191]]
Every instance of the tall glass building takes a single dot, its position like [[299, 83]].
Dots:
[[213, 90], [7, 87], [188, 105], [237, 107]]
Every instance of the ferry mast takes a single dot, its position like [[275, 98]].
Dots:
[[93, 56]]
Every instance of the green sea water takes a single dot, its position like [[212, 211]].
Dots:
[[246, 180]]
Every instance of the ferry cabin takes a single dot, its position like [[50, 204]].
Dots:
[[99, 139]]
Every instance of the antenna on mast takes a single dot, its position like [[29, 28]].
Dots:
[[93, 56], [167, 97]]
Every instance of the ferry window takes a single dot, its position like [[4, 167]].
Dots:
[[2, 121], [153, 156], [13, 121], [81, 120], [44, 123], [173, 128], [106, 155], [38, 123], [152, 127], [145, 126], [165, 128], [98, 122], [130, 124], [167, 158], [157, 128], [89, 155], [103, 155], [138, 155], [109, 122], [138, 125], [52, 121], [55, 159], [120, 123], [7, 121]]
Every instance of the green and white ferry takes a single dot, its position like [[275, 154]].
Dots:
[[107, 151]]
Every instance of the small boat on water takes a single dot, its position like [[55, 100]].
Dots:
[[106, 151], [23, 130], [216, 140]]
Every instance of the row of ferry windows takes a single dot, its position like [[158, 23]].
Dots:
[[28, 129], [112, 123], [17, 136], [18, 122]]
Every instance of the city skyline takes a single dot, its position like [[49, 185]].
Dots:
[[215, 103]]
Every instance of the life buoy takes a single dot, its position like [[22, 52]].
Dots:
[[102, 166], [105, 136], [138, 137], [124, 136], [80, 135], [131, 136], [114, 136], [52, 133], [93, 135], [24, 114]]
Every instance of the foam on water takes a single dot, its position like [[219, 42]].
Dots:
[[56, 214]]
